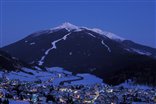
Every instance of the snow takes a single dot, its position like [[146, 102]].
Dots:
[[1, 72], [41, 75], [18, 102], [131, 85], [58, 80], [38, 68], [141, 52], [26, 41], [41, 61], [68, 26], [108, 34], [65, 37], [53, 72], [105, 33], [89, 79], [113, 36], [91, 35], [32, 43], [22, 76], [58, 69], [70, 53], [98, 30], [139, 103], [109, 50]]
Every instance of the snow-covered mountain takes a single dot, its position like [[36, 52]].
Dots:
[[82, 49]]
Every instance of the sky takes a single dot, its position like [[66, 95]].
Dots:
[[131, 19]]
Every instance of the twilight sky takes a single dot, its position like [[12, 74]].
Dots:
[[131, 19]]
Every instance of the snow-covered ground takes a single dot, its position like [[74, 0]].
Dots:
[[60, 78], [18, 102], [88, 79], [131, 85], [22, 76], [138, 103], [141, 52], [57, 74], [58, 69], [60, 75]]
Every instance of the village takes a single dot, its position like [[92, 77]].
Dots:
[[45, 92]]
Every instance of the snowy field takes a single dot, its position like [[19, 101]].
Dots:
[[18, 102], [88, 80], [58, 75], [131, 85]]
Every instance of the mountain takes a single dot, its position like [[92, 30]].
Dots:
[[10, 63], [85, 50]]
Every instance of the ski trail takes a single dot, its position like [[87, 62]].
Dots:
[[91, 35], [41, 61], [106, 46]]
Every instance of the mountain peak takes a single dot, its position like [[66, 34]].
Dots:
[[67, 26]]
